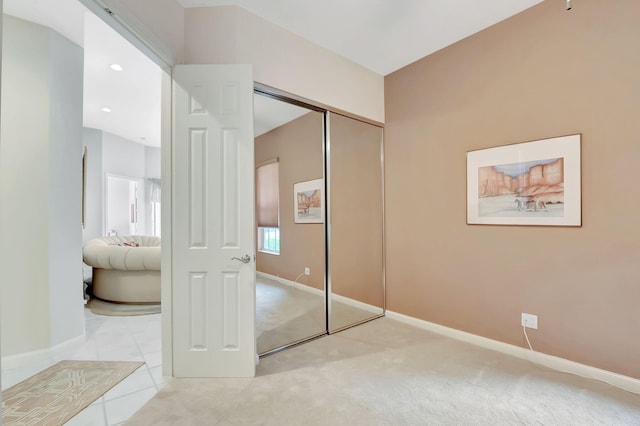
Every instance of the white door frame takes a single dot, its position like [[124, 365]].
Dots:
[[166, 218], [125, 25]]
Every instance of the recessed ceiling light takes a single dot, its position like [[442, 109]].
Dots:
[[105, 109], [116, 67]]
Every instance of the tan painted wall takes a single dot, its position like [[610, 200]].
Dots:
[[545, 72], [298, 144]]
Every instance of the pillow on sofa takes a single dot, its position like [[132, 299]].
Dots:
[[126, 243]]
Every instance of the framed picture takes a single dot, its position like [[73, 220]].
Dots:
[[308, 201], [530, 183]]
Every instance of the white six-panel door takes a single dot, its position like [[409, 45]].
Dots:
[[213, 222]]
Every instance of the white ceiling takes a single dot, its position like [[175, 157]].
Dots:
[[270, 113], [64, 16], [381, 35], [133, 95]]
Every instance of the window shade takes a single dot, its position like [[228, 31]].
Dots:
[[267, 194]]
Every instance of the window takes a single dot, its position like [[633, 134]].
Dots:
[[155, 206], [155, 219], [269, 240], [267, 206]]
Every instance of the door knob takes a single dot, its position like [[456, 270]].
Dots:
[[244, 259]]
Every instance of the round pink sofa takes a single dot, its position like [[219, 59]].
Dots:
[[122, 273]]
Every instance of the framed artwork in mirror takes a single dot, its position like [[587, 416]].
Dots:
[[308, 201]]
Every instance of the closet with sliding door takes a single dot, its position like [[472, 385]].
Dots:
[[319, 220]]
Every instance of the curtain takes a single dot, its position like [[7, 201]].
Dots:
[[154, 184], [267, 194]]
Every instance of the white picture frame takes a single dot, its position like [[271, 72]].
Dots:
[[531, 183], [308, 201]]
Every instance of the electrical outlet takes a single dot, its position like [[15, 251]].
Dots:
[[530, 321], [307, 271]]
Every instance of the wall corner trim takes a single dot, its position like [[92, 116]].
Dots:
[[555, 363]]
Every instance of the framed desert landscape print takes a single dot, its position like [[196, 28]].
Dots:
[[308, 201], [530, 183]]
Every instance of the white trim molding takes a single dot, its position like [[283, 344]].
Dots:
[[334, 297], [43, 356], [559, 364], [376, 310], [290, 283]]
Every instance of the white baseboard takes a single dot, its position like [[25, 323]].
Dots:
[[560, 364], [290, 283], [41, 356], [357, 304]]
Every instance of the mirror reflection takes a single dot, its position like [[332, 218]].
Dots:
[[356, 222], [290, 293]]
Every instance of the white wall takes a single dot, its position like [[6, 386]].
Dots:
[[66, 301], [1, 11], [40, 201], [92, 139], [281, 59], [23, 202], [122, 157], [152, 162], [111, 154]]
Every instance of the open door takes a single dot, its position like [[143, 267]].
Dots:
[[213, 264]]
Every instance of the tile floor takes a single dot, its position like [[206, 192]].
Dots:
[[134, 338]]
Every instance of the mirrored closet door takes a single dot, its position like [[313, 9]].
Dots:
[[319, 220], [290, 260], [355, 211]]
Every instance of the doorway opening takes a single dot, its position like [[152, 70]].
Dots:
[[119, 154]]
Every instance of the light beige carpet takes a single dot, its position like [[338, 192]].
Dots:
[[102, 307], [58, 393], [388, 373], [286, 314]]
